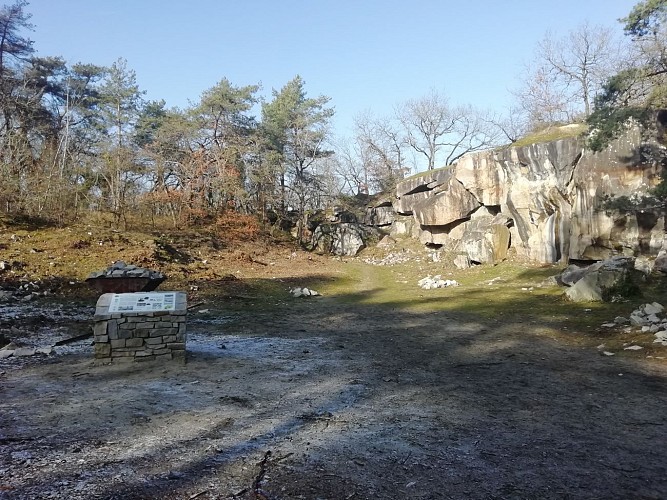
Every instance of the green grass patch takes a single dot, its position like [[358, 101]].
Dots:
[[506, 293], [551, 134], [427, 172]]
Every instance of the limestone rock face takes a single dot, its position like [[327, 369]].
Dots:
[[551, 196]]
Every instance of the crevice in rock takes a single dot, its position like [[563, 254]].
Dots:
[[422, 188], [470, 192], [582, 262], [444, 228], [574, 164]]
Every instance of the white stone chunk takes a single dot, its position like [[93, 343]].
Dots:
[[653, 308]]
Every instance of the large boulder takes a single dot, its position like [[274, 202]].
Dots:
[[599, 281], [380, 215], [418, 188], [404, 226], [344, 239], [452, 203], [484, 239]]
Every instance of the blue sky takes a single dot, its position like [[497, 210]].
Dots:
[[365, 55]]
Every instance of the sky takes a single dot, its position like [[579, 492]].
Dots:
[[366, 55]]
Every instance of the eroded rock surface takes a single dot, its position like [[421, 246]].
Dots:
[[550, 195]]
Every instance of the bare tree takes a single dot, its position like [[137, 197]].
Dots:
[[351, 167], [380, 145], [567, 73], [542, 100], [434, 128], [513, 125]]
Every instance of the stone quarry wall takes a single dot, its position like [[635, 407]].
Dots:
[[140, 336], [541, 202]]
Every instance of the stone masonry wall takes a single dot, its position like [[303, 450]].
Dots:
[[140, 336]]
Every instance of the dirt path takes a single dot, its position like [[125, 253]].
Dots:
[[331, 401]]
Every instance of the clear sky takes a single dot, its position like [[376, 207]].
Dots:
[[363, 54]]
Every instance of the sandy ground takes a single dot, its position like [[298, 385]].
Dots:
[[331, 401]]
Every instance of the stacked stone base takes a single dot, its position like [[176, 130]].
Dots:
[[139, 336]]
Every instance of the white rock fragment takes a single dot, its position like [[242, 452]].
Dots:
[[24, 351], [430, 283], [607, 353], [652, 318], [633, 348], [608, 325], [637, 320], [303, 292], [653, 308]]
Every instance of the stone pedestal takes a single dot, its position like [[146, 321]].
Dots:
[[142, 326]]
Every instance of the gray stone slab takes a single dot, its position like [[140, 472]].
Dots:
[[24, 351], [134, 342]]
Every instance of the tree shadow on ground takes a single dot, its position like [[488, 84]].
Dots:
[[370, 398]]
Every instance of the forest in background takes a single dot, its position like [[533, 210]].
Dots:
[[80, 139]]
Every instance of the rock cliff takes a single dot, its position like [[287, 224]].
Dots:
[[541, 202]]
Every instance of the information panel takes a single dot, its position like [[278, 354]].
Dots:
[[138, 302]]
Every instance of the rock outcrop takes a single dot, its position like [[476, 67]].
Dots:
[[598, 281], [344, 239], [543, 202]]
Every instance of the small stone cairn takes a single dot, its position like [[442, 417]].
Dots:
[[120, 269]]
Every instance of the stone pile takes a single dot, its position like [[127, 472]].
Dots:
[[25, 292], [393, 259], [142, 335], [648, 317], [16, 351], [430, 283], [120, 269]]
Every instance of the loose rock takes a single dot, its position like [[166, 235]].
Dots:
[[430, 283]]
